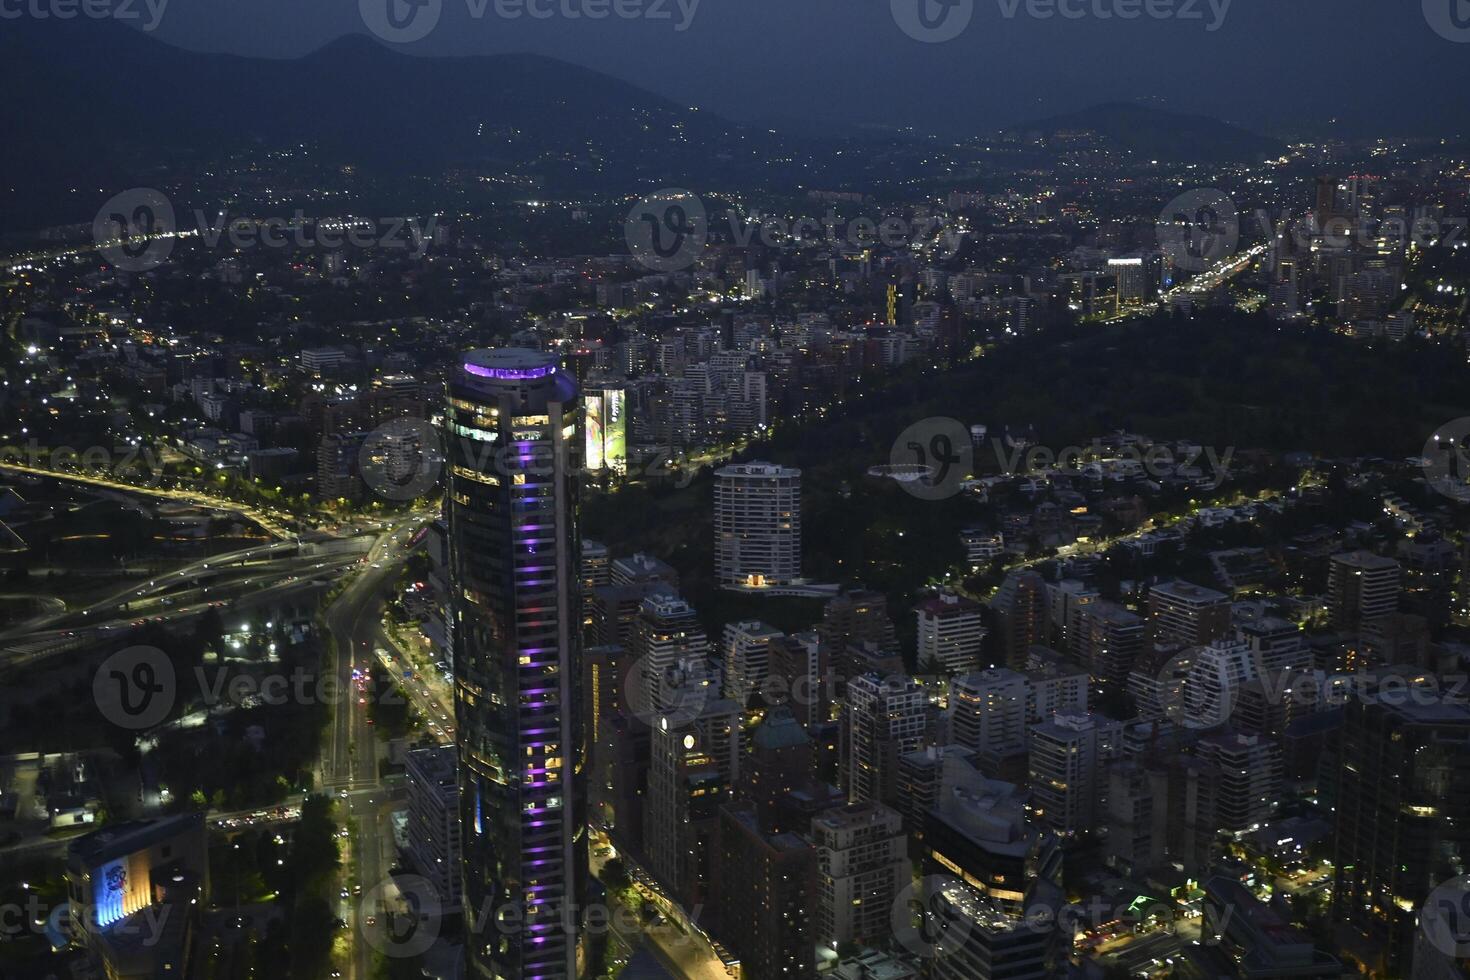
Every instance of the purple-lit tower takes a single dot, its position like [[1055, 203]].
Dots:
[[510, 426]]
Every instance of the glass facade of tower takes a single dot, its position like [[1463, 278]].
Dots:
[[511, 428]]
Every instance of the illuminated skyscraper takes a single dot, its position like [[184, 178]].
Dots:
[[511, 425]]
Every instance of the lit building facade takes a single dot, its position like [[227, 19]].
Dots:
[[511, 432]]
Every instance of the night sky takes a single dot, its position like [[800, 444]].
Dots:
[[1352, 67]]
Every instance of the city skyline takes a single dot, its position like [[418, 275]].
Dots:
[[609, 489]]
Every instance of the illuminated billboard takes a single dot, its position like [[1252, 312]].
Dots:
[[593, 408], [615, 430], [607, 430]]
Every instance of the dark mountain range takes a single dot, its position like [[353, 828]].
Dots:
[[1160, 135], [97, 107], [105, 106]]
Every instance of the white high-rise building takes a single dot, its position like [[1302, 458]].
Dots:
[[883, 719], [951, 632], [747, 651], [987, 714], [757, 525], [991, 711]]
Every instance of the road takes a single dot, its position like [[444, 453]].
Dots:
[[259, 562], [274, 522], [350, 761], [685, 953]]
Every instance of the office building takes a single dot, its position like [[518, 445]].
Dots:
[[980, 832], [510, 423], [134, 895], [1261, 944], [985, 941]]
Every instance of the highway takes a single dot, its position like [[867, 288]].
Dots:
[[274, 522], [349, 767]]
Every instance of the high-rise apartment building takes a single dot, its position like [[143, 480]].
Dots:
[[1403, 816], [757, 525], [433, 821], [1020, 608], [1068, 759], [861, 868], [991, 712], [1181, 614], [767, 887], [883, 718], [1248, 769], [951, 632], [1361, 587], [746, 648], [1108, 639], [693, 764]]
